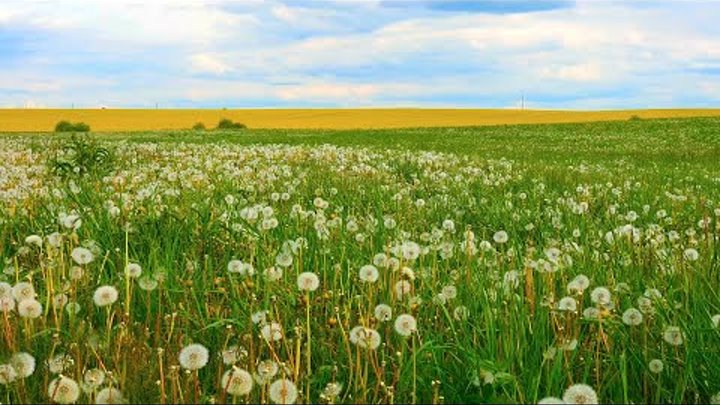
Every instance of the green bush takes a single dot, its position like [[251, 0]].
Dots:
[[635, 118], [229, 124], [67, 126], [199, 126]]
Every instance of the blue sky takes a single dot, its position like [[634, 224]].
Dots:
[[582, 54]]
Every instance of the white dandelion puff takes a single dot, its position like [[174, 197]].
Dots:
[[63, 390], [30, 309], [405, 325], [272, 332], [383, 312], [133, 270], [308, 281], [82, 256], [237, 382], [283, 391], [109, 395], [632, 317], [369, 273], [193, 357], [673, 335], [23, 363], [105, 295], [580, 394], [656, 366]]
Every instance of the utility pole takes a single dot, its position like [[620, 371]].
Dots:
[[522, 102]]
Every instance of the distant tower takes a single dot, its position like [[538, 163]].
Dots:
[[522, 102]]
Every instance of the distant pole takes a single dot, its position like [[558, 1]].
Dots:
[[156, 106], [522, 102]]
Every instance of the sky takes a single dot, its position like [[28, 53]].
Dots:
[[568, 54]]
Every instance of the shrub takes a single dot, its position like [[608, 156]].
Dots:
[[229, 124], [199, 126], [67, 126], [635, 118]]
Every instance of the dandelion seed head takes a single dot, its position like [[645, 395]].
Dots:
[[23, 363], [193, 357], [30, 308], [237, 381], [109, 395], [283, 391], [308, 281], [105, 295], [580, 394], [405, 324], [63, 390]]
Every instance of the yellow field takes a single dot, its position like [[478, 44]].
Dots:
[[36, 120]]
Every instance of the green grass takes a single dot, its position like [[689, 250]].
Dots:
[[549, 187]]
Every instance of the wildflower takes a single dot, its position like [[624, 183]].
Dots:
[[237, 382], [369, 273], [632, 317], [365, 337], [266, 370], [34, 240], [23, 363], [193, 357], [133, 270], [105, 295], [59, 363], [656, 366], [383, 312], [580, 394], [308, 281], [450, 292], [54, 239], [109, 395], [7, 304], [567, 304], [402, 288], [232, 355], [30, 308], [332, 390], [82, 256], [601, 296], [691, 254], [94, 378], [283, 391], [7, 374], [272, 332], [673, 335], [284, 259], [147, 283], [71, 221], [273, 273], [63, 390], [23, 291], [405, 324], [500, 237]]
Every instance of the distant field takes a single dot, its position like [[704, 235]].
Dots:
[[17, 120]]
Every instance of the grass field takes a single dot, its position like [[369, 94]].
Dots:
[[30, 120], [502, 264]]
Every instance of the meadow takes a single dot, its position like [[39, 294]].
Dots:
[[554, 263]]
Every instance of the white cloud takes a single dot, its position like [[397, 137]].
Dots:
[[579, 72], [207, 63]]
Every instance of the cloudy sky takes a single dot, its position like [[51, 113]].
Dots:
[[584, 54]]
